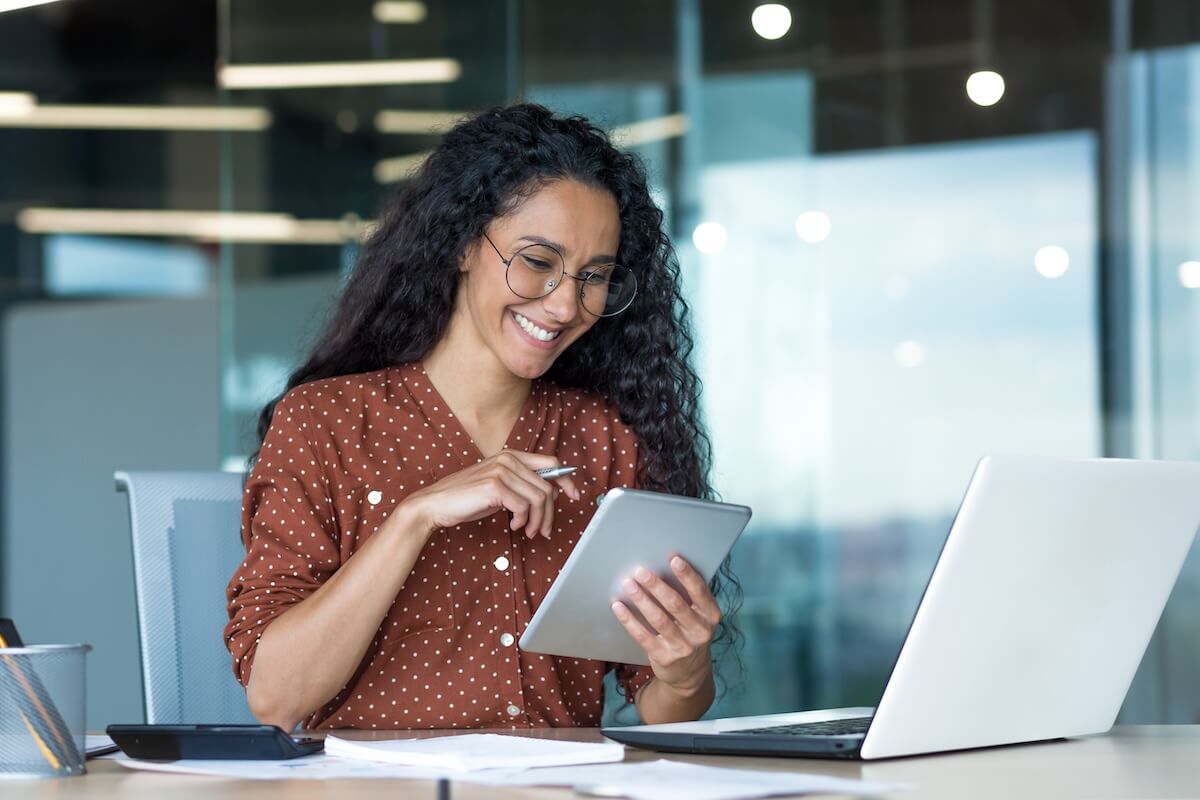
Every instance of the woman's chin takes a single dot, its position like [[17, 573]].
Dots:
[[529, 369]]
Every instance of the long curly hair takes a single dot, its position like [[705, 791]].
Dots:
[[397, 303]]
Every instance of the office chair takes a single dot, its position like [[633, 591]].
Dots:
[[186, 547]]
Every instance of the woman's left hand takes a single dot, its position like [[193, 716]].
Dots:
[[679, 633]]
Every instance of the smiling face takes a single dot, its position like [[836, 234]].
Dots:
[[526, 336]]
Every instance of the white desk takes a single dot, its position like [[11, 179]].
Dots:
[[1146, 762]]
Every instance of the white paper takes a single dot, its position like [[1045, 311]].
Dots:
[[92, 742], [653, 780], [673, 780], [476, 751], [320, 767]]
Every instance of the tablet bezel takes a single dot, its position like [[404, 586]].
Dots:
[[632, 528]]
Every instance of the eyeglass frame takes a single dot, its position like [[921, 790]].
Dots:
[[507, 262]]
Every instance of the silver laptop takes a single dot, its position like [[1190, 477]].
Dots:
[[1038, 612]]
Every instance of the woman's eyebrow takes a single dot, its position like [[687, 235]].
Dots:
[[600, 259]]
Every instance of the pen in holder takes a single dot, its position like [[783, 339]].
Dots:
[[42, 700]]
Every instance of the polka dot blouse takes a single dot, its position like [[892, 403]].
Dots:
[[339, 456]]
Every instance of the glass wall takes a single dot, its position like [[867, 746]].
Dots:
[[1163, 146], [913, 232], [110, 124]]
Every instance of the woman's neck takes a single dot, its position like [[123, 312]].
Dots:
[[485, 396]]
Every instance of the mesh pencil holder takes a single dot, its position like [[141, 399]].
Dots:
[[42, 701]]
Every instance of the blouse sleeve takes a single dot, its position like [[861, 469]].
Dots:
[[627, 458], [288, 529]]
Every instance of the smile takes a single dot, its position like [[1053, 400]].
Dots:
[[541, 334]]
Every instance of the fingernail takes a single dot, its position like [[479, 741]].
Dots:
[[630, 586], [677, 564], [619, 609], [642, 574]]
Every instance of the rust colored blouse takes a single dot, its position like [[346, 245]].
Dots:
[[340, 454]]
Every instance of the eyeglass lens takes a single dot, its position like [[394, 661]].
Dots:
[[535, 271]]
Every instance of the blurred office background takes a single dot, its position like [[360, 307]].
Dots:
[[912, 231]]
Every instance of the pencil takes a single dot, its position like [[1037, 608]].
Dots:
[[40, 716]]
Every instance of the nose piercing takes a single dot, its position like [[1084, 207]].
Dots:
[[551, 284]]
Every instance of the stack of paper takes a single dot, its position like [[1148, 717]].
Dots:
[[475, 751]]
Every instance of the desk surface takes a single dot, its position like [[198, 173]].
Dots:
[[1153, 761]]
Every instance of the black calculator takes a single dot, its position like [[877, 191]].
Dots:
[[226, 742]]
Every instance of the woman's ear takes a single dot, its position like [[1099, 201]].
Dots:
[[470, 256]]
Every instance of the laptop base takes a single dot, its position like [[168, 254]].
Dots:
[[839, 747]]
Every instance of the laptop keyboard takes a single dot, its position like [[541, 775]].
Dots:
[[834, 727]]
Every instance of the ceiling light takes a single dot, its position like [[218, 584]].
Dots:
[[397, 121], [399, 12], [393, 170], [985, 88], [436, 122], [709, 237], [1189, 274], [346, 121], [13, 5], [200, 225], [910, 354], [1051, 261], [813, 226], [195, 118], [650, 130], [338, 73], [14, 104], [771, 20]]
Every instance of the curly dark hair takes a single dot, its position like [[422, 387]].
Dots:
[[397, 303]]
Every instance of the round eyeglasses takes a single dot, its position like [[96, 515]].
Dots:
[[536, 270]]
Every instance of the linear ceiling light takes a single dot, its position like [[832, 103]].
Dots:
[[211, 226], [14, 103], [391, 170], [395, 121], [13, 5], [399, 12], [334, 73], [184, 118], [650, 130]]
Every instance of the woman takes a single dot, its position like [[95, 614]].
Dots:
[[518, 308]]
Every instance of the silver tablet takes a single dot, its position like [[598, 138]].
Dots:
[[632, 529]]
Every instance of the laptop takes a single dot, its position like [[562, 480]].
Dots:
[[1039, 609]]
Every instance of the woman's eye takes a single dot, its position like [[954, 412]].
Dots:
[[595, 278], [536, 264]]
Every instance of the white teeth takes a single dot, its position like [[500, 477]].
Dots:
[[540, 334]]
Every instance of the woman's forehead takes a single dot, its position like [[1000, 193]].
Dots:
[[571, 214]]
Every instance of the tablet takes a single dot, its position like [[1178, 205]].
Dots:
[[631, 529]]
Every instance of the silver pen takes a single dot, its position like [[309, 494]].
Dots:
[[549, 473]]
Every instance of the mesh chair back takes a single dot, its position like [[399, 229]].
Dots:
[[185, 549]]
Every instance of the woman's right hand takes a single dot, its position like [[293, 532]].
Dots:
[[507, 480]]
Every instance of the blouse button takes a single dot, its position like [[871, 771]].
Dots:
[[507, 639], [513, 710], [501, 563], [374, 496]]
